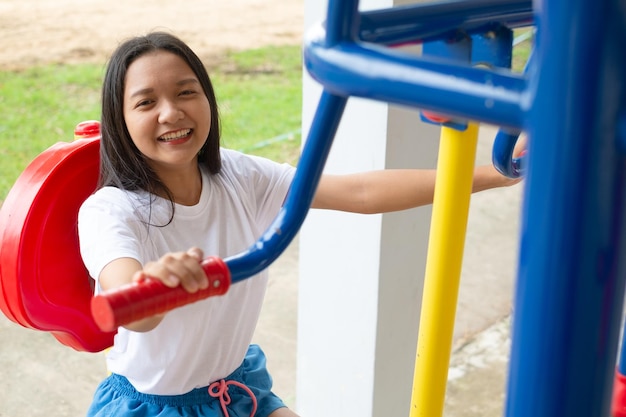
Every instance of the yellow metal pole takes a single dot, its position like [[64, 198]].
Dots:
[[453, 188]]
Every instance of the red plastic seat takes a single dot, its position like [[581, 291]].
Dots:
[[43, 282]]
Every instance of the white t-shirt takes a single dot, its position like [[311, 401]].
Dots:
[[199, 343]]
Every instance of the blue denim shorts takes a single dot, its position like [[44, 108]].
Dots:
[[116, 397]]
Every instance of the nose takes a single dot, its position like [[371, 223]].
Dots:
[[170, 112]]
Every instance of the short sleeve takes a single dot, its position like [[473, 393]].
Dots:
[[108, 229]]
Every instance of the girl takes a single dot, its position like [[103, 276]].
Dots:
[[168, 194]]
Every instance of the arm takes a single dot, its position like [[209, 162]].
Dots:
[[392, 190], [173, 269]]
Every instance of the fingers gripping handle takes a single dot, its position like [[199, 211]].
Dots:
[[143, 299]]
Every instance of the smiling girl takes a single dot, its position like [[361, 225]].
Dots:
[[168, 194]]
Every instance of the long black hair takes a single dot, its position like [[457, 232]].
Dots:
[[122, 165]]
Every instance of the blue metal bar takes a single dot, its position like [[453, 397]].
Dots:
[[351, 69], [286, 225], [502, 155], [426, 22], [342, 23], [572, 266], [504, 146], [493, 48]]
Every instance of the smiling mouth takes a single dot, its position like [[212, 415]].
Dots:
[[168, 137]]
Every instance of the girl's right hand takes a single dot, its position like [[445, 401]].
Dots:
[[177, 268], [173, 269]]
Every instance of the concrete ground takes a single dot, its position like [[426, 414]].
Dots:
[[42, 378]]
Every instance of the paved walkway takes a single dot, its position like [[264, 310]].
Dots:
[[42, 378]]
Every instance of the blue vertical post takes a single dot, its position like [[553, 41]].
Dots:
[[572, 266]]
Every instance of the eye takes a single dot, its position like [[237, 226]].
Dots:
[[144, 103], [188, 92]]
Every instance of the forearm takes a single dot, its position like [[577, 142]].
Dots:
[[376, 191], [392, 190], [395, 190]]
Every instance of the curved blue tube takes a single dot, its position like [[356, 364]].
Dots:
[[504, 144], [502, 156], [354, 69]]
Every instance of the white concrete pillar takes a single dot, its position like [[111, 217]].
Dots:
[[361, 276]]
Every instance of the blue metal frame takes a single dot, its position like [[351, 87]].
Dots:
[[572, 103], [571, 280]]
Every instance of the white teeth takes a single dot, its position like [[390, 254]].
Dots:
[[175, 135]]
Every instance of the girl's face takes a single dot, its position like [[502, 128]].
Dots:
[[166, 111]]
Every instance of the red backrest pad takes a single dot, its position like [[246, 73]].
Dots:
[[43, 282]]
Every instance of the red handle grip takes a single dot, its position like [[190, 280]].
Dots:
[[149, 297]]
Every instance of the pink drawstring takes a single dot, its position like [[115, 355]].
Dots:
[[219, 389]]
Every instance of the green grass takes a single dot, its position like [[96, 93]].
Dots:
[[40, 107], [260, 97], [258, 92], [521, 52]]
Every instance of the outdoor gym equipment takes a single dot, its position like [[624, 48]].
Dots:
[[572, 103]]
